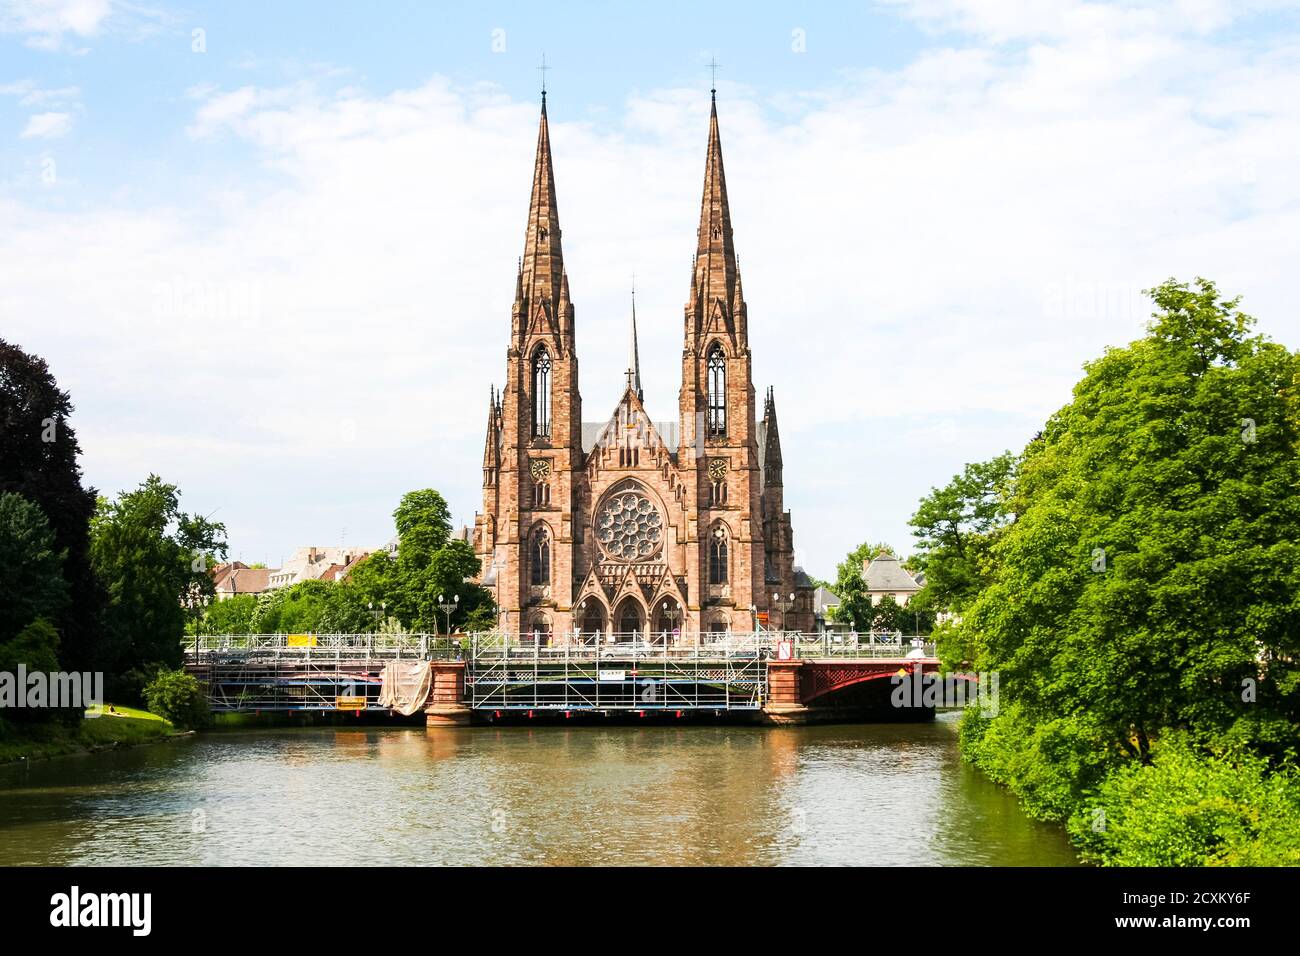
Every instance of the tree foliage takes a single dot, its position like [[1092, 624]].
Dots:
[[177, 696], [1150, 581], [31, 569], [38, 460], [380, 589], [152, 559], [956, 526]]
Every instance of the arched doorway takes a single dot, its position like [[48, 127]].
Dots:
[[539, 631], [629, 622], [667, 621], [591, 621]]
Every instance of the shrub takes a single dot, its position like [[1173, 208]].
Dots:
[[1187, 808], [178, 697]]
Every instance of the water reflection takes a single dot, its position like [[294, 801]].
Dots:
[[868, 794]]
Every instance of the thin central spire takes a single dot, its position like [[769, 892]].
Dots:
[[542, 269], [634, 354]]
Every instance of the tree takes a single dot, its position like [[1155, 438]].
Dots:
[[855, 603], [429, 565], [31, 569], [178, 697], [956, 526], [423, 522], [1151, 580], [153, 560], [38, 460], [232, 616]]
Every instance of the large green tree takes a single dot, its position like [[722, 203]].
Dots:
[[955, 527], [38, 460], [1151, 579], [153, 560], [31, 569]]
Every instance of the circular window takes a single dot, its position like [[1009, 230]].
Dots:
[[628, 526]]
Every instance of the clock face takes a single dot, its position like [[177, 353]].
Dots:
[[718, 468], [629, 527], [540, 469]]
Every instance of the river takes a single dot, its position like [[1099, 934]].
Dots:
[[596, 794]]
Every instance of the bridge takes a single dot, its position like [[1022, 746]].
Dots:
[[771, 676]]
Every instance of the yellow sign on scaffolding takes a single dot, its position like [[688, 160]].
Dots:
[[350, 703], [300, 640]]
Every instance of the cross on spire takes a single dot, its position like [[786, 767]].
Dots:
[[542, 70], [713, 72]]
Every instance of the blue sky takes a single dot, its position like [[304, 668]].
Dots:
[[278, 272]]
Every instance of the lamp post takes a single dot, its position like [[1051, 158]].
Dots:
[[671, 610], [447, 608], [784, 604]]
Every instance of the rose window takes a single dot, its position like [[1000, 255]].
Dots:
[[629, 527]]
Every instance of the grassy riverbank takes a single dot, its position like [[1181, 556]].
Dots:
[[125, 728]]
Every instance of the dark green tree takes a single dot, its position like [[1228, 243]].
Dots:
[[31, 569], [153, 560], [38, 460]]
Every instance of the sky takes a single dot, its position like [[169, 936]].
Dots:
[[270, 248]]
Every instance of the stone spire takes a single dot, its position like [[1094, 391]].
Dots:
[[634, 355], [714, 279], [542, 268], [491, 446], [771, 441]]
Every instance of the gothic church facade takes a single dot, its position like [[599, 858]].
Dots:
[[622, 527]]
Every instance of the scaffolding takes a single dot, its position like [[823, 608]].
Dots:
[[304, 672], [509, 672], [625, 673]]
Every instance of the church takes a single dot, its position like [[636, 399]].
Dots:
[[620, 527]]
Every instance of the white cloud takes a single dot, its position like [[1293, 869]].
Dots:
[[47, 23], [47, 126], [31, 94], [929, 255], [1008, 20]]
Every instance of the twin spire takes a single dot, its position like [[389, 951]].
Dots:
[[715, 277], [542, 281], [541, 270]]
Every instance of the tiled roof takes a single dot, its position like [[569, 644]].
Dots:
[[245, 581], [884, 573]]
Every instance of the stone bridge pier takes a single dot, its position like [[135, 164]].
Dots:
[[811, 691], [447, 707]]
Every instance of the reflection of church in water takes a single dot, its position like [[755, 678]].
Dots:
[[625, 527]]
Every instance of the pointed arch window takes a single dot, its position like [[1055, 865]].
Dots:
[[718, 556], [717, 397], [539, 558], [541, 393]]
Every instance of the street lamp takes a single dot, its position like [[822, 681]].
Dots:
[[784, 604], [671, 611], [447, 608]]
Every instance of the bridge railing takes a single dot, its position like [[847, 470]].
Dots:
[[230, 648], [873, 645], [212, 647]]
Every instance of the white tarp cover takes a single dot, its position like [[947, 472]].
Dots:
[[406, 686]]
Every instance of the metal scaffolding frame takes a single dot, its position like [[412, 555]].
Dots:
[[626, 674], [505, 672]]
